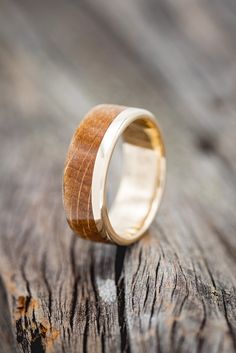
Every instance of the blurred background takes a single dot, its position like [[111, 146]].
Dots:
[[176, 58]]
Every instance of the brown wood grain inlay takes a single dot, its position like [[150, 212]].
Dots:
[[78, 170]]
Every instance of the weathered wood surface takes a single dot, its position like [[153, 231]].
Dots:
[[175, 290]]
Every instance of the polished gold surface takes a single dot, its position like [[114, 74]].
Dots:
[[142, 177], [141, 185]]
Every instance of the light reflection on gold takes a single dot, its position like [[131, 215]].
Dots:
[[142, 181]]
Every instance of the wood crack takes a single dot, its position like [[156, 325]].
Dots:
[[155, 293], [232, 330], [29, 296], [44, 271], [200, 336], [93, 282], [75, 283], [86, 327], [120, 287]]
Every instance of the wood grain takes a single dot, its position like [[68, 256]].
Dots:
[[78, 172], [175, 290]]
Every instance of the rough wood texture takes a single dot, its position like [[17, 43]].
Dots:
[[175, 290]]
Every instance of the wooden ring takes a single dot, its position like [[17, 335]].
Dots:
[[86, 170]]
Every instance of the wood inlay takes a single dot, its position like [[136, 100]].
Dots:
[[78, 170]]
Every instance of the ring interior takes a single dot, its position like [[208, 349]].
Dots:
[[141, 182]]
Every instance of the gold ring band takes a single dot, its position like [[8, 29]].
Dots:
[[86, 173]]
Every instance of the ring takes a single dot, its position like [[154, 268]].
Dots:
[[90, 156]]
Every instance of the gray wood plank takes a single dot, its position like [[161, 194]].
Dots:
[[175, 289]]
